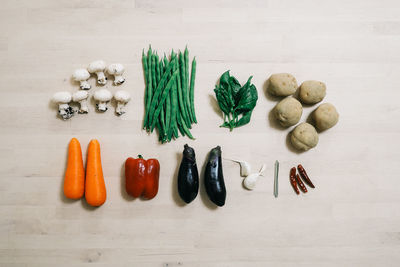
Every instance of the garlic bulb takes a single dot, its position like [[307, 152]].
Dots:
[[250, 181]]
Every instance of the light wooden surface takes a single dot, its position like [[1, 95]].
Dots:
[[352, 218]]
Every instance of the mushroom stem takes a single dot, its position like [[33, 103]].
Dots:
[[84, 85], [118, 79], [84, 106], [120, 108], [101, 78], [102, 106], [62, 99], [65, 111]]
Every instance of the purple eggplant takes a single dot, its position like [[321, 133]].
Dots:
[[214, 178], [188, 176]]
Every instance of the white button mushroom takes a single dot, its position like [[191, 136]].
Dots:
[[116, 70], [122, 98], [102, 96], [64, 109], [81, 97], [98, 67], [81, 76]]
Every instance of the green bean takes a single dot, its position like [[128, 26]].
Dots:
[[182, 79], [154, 82], [174, 109], [192, 81], [177, 111], [158, 68], [155, 101], [162, 118], [187, 99], [153, 71], [180, 98], [149, 90], [186, 130], [168, 112], [166, 62], [163, 97], [166, 109], [175, 130], [179, 125], [160, 72], [145, 70], [173, 55]]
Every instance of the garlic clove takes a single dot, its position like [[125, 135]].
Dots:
[[250, 181], [245, 167]]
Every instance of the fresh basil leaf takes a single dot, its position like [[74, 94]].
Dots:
[[235, 87], [248, 97], [228, 99], [224, 80], [221, 101], [245, 119]]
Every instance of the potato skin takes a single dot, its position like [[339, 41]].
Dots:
[[288, 111], [304, 137], [282, 84], [312, 92], [325, 116]]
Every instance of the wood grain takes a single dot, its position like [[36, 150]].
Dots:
[[351, 218]]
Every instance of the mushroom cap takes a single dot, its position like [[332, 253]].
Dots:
[[102, 95], [115, 68], [62, 97], [122, 96], [81, 75], [80, 95], [96, 66]]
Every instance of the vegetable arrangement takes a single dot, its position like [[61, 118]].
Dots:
[[236, 102], [169, 94], [141, 177], [75, 184]]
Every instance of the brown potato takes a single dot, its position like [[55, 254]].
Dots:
[[325, 116], [304, 137], [288, 111], [282, 84], [312, 92]]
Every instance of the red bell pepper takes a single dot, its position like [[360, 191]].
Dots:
[[141, 177]]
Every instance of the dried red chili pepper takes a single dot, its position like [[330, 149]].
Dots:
[[141, 177], [302, 186], [293, 179], [304, 175]]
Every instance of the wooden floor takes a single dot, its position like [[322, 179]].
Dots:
[[351, 218]]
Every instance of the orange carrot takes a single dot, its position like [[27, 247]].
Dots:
[[74, 181], [95, 192]]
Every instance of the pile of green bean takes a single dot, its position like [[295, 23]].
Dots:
[[169, 95]]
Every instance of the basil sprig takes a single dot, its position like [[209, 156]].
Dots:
[[236, 102]]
